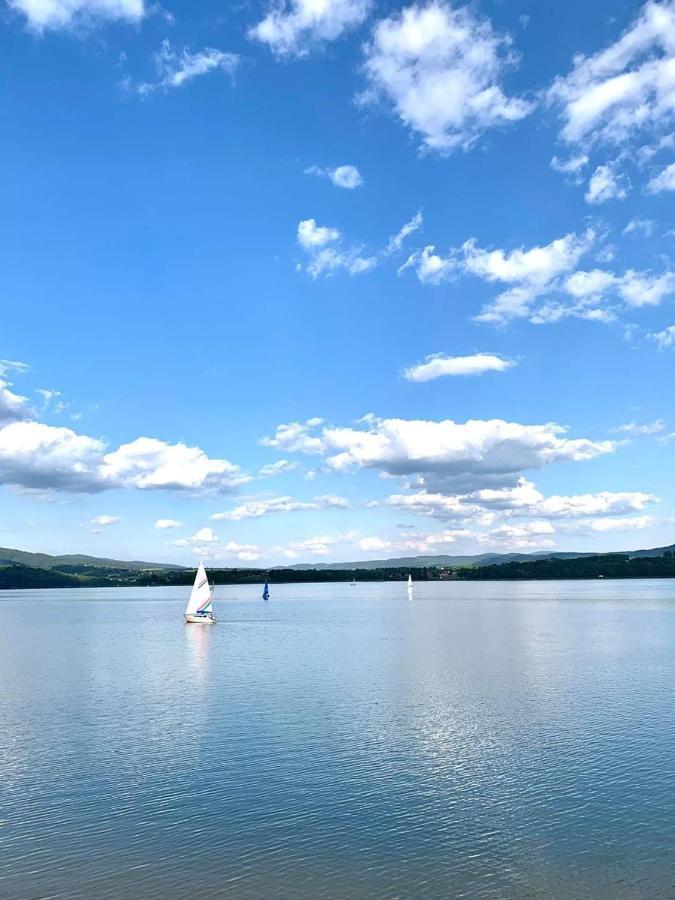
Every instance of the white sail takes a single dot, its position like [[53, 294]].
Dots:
[[410, 582], [200, 598]]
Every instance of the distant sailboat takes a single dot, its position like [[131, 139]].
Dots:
[[353, 580], [199, 610], [410, 587], [266, 592]]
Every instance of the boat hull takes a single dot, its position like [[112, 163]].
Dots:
[[200, 620]]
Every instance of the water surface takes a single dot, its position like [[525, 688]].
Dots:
[[496, 740]]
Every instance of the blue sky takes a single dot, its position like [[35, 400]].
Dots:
[[336, 279]]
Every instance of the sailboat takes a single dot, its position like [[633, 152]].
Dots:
[[266, 592], [199, 609], [353, 580], [410, 587]]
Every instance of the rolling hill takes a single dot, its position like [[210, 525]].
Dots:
[[45, 561]]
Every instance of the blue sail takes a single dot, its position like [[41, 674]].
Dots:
[[266, 592]]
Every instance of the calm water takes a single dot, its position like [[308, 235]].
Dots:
[[485, 740]]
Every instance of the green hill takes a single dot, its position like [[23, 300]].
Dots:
[[45, 561]]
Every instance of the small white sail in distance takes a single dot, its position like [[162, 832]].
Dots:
[[410, 586], [200, 597]]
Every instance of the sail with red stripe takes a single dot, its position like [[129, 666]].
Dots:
[[200, 598]]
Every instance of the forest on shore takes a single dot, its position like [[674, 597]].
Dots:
[[611, 565]]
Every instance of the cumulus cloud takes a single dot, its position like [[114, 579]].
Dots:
[[477, 452], [163, 524], [347, 176], [523, 499], [606, 184], [438, 365], [175, 68], [258, 509], [12, 406], [54, 15], [664, 180], [327, 253], [320, 545], [295, 27], [624, 89], [529, 536], [531, 272], [546, 284], [36, 455], [439, 69], [207, 545]]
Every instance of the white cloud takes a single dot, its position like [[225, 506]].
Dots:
[[438, 365], [571, 166], [12, 406], [636, 289], [531, 536], [177, 68], [543, 278], [295, 27], [45, 15], [664, 339], [151, 464], [430, 267], [522, 500], [314, 546], [163, 524], [636, 429], [641, 289], [606, 184], [311, 235], [440, 70], [276, 468], [664, 180], [104, 520], [206, 544], [257, 509], [640, 226], [478, 452], [9, 365], [35, 455], [396, 240], [531, 272], [98, 523], [347, 176], [622, 524], [326, 252], [627, 87], [374, 544]]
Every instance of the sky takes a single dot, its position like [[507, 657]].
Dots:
[[336, 279]]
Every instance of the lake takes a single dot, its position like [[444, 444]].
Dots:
[[492, 740]]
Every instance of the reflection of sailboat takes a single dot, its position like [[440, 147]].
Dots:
[[199, 610], [410, 587], [266, 592], [199, 647]]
